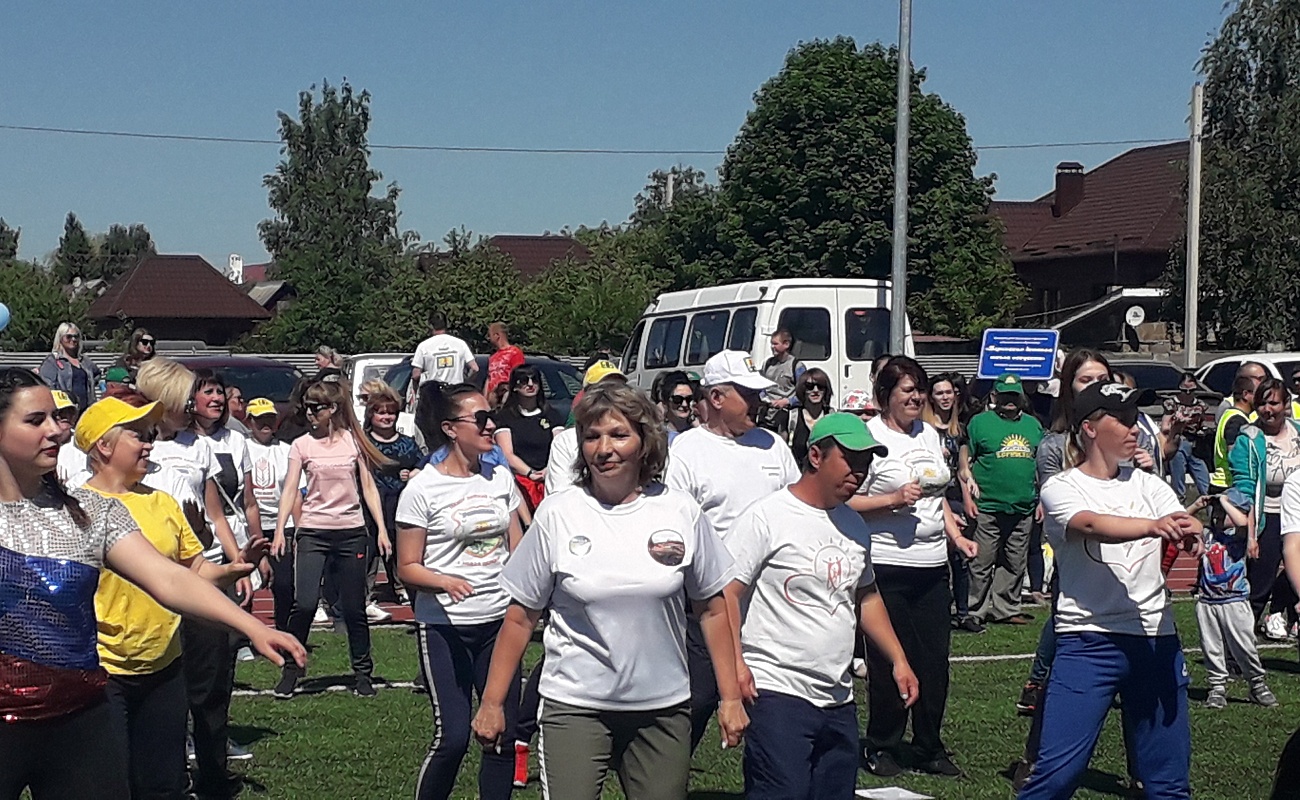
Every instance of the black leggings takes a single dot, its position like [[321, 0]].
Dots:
[[150, 711], [282, 579], [73, 757], [918, 600], [340, 556]]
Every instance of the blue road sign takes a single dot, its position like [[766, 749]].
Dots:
[[1031, 354]]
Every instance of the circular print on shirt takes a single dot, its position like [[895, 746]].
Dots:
[[580, 545], [667, 547]]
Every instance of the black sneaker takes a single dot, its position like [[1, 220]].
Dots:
[[289, 678], [881, 763], [971, 625], [941, 766], [1030, 696], [364, 687]]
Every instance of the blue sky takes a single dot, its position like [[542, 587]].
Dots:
[[612, 74]]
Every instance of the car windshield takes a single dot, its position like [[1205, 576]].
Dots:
[[1158, 377], [273, 383]]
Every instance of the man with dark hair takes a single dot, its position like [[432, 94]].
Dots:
[[442, 357]]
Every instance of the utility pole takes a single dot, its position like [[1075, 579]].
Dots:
[[898, 270], [1192, 301]]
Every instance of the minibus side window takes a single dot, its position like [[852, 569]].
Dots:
[[708, 330], [664, 345], [632, 351], [742, 329], [866, 333], [811, 330]]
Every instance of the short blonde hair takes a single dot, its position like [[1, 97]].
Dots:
[[615, 397], [167, 382]]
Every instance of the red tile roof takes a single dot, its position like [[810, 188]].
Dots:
[[1135, 199], [175, 287], [533, 255], [253, 273]]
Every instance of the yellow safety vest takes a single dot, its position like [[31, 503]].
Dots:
[[1222, 476]]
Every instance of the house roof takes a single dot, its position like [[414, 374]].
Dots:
[[533, 255], [1133, 203], [255, 273], [171, 287], [263, 292]]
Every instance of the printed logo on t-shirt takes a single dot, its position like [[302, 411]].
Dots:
[[479, 521], [819, 587], [481, 548], [263, 476], [667, 547], [1128, 556], [445, 362], [1015, 446], [580, 545], [928, 469]]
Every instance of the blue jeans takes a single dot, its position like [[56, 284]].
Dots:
[[794, 749], [1151, 678], [1182, 462]]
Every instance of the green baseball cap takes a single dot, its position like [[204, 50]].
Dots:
[[117, 375], [848, 431], [1009, 383]]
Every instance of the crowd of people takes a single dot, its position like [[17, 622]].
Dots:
[[685, 551]]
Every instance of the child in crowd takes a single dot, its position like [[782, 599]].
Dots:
[[1223, 611], [382, 408], [784, 370], [270, 460]]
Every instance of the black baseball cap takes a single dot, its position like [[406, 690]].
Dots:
[[1116, 399]]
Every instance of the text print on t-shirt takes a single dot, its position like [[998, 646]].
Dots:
[[1015, 446], [927, 468], [667, 547], [478, 521], [823, 586]]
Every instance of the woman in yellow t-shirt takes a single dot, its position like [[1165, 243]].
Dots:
[[139, 640]]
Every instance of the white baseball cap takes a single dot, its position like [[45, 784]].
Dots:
[[733, 366]]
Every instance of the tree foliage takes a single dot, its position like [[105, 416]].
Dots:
[[37, 304], [1250, 199], [806, 189], [337, 244], [101, 256], [8, 241], [75, 257]]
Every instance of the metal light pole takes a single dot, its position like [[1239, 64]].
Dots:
[[1191, 302], [898, 271]]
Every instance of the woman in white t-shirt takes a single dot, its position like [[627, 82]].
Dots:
[[1114, 622], [614, 560], [457, 521], [902, 500]]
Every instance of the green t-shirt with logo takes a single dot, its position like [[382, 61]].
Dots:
[[1002, 461]]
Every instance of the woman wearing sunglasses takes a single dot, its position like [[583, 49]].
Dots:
[[1114, 621], [813, 390], [526, 424], [139, 348], [67, 370], [677, 397], [337, 457], [457, 522]]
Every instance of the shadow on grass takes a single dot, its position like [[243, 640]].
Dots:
[[246, 735], [1278, 665], [712, 795], [1107, 783]]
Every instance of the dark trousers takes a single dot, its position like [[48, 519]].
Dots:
[[918, 600], [150, 712], [454, 663], [795, 750], [209, 668], [960, 571], [704, 683], [340, 556], [282, 580], [529, 702], [1270, 590], [389, 504], [1035, 563], [1150, 676], [73, 757]]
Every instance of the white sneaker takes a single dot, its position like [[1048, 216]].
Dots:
[[376, 614], [860, 668], [246, 654], [321, 618], [1275, 626]]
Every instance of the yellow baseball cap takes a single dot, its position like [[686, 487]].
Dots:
[[600, 371], [259, 406], [106, 415], [62, 401]]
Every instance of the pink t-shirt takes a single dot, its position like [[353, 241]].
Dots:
[[333, 500]]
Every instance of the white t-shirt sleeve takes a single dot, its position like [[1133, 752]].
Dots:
[[465, 353], [1061, 500], [513, 498], [529, 576], [1160, 495], [712, 567], [413, 507], [789, 466], [678, 476], [560, 460], [750, 545], [1291, 504]]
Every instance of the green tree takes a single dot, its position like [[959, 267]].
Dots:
[[1250, 200], [120, 249], [37, 304], [331, 239], [8, 241], [75, 257], [807, 189]]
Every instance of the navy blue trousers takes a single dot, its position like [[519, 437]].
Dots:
[[795, 750]]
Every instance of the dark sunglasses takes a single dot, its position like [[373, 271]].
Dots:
[[526, 381], [817, 387], [147, 436], [316, 408], [479, 418], [681, 399], [72, 336], [147, 342]]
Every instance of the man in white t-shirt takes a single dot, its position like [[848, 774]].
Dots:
[[442, 357], [726, 465], [802, 557]]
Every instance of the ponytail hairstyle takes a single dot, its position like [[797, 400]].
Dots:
[[12, 381], [437, 403], [336, 393], [1064, 405]]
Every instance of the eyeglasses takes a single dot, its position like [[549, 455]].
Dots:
[[147, 436], [479, 418], [147, 342], [316, 408], [817, 387], [73, 336], [526, 381], [681, 399]]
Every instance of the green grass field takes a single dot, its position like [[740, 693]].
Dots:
[[334, 745]]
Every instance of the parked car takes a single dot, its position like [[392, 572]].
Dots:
[[560, 382], [1161, 377], [256, 377], [1219, 373], [367, 366]]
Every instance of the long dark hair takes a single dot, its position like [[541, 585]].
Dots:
[[131, 358], [511, 404], [12, 381], [437, 403], [1064, 405]]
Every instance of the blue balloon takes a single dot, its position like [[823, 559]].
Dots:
[[4, 316]]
